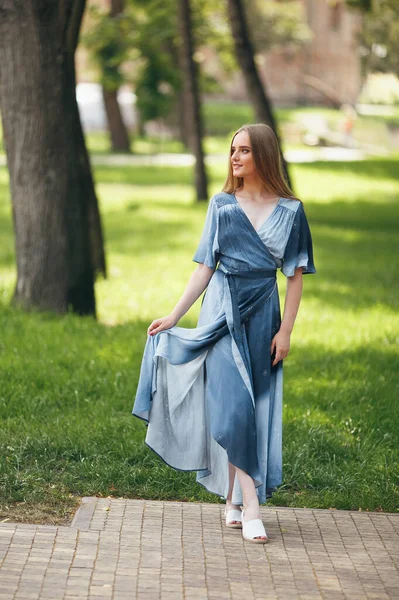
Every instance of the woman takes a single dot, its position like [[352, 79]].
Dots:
[[212, 396]]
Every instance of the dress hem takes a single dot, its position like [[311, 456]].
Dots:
[[269, 491]]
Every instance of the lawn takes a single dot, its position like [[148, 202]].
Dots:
[[67, 384]]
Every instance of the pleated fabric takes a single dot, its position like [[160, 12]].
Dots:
[[210, 395]]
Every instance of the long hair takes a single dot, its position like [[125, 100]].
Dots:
[[267, 160]]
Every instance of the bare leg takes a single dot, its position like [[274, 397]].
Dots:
[[249, 496], [229, 504]]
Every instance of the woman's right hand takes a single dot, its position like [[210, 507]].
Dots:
[[161, 324]]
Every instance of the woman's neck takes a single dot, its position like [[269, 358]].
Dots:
[[254, 188]]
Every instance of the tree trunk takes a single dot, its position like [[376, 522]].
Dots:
[[59, 245], [192, 98], [179, 108], [245, 58], [182, 124], [117, 129]]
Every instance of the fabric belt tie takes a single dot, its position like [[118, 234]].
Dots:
[[233, 317]]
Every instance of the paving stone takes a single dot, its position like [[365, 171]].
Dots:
[[136, 549]]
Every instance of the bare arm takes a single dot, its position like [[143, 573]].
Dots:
[[281, 341], [196, 285]]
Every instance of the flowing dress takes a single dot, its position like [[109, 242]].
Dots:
[[210, 394]]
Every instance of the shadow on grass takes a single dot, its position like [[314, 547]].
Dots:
[[355, 247], [332, 385], [147, 176], [374, 168], [358, 215], [341, 428]]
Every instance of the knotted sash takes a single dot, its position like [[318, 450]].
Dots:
[[236, 317]]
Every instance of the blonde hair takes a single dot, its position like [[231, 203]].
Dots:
[[267, 161]]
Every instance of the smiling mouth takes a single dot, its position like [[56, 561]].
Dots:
[[235, 166]]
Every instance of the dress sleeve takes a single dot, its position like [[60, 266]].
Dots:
[[208, 249], [299, 248]]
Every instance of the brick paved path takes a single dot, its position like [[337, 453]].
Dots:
[[127, 549]]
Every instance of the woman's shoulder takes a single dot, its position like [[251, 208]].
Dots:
[[290, 204], [221, 199]]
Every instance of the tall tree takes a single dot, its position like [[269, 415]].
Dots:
[[117, 128], [192, 97], [107, 38], [59, 245], [245, 57]]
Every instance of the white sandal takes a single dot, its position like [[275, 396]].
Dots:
[[231, 516], [253, 530]]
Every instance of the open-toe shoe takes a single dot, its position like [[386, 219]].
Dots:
[[233, 518], [252, 530]]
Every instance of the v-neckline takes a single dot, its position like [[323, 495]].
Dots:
[[248, 219]]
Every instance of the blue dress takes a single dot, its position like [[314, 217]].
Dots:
[[209, 394]]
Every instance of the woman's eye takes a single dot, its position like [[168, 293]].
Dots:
[[245, 150]]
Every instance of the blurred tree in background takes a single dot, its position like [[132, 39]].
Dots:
[[109, 41], [157, 79], [277, 24], [379, 37], [192, 100], [256, 89]]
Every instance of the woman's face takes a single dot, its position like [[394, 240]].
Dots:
[[241, 155]]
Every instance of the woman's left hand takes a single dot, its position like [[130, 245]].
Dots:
[[280, 344]]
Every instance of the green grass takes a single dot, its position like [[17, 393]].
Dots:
[[67, 384], [98, 142]]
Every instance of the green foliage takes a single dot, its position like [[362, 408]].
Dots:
[[157, 78], [277, 24], [379, 37], [67, 383], [364, 5], [135, 47], [111, 43], [212, 30]]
